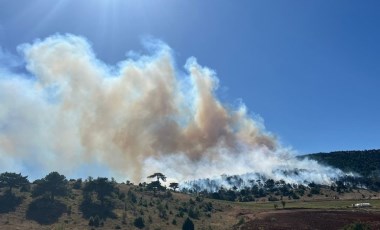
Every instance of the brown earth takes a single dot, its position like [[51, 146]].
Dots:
[[310, 219]]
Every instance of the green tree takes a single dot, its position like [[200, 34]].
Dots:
[[12, 180], [102, 187], [173, 185], [188, 224], [97, 198], [53, 184], [156, 185], [158, 176]]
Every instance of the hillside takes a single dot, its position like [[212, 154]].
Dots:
[[54, 202], [365, 162], [129, 206]]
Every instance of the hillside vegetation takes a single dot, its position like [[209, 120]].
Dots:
[[54, 202], [366, 163]]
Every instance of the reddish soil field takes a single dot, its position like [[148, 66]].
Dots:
[[311, 219]]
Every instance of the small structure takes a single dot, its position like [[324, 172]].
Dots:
[[361, 205]]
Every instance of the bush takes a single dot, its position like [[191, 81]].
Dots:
[[45, 211], [77, 184], [272, 198], [25, 188], [194, 213], [69, 210], [283, 203], [199, 199], [241, 221], [91, 221], [124, 218], [188, 224], [132, 197], [9, 202], [315, 190], [122, 196], [92, 208], [295, 196], [96, 221], [139, 222], [357, 226]]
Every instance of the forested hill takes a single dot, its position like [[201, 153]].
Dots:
[[365, 162]]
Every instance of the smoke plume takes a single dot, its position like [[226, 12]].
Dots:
[[72, 113]]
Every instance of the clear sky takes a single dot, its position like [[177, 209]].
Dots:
[[310, 69]]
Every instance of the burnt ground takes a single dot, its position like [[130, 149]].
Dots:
[[310, 219]]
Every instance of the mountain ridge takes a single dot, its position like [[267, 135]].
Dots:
[[363, 162]]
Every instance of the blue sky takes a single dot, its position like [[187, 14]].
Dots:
[[310, 69]]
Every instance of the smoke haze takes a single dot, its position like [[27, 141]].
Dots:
[[74, 114]]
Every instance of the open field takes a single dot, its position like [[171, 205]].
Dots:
[[312, 219], [321, 214], [320, 204]]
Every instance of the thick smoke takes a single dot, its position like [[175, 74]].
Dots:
[[73, 113]]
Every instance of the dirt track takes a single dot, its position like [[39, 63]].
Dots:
[[311, 219]]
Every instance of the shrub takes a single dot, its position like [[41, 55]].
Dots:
[[194, 213], [124, 218], [91, 221], [45, 211], [9, 202], [77, 184], [25, 188], [121, 196], [283, 204], [315, 190], [199, 199], [357, 226], [132, 197], [241, 221], [295, 196], [188, 224], [272, 198], [139, 222], [96, 221]]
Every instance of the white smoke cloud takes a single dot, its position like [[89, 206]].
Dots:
[[79, 115]]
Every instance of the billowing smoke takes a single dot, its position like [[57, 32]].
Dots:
[[72, 113]]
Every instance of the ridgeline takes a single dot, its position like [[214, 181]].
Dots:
[[366, 162]]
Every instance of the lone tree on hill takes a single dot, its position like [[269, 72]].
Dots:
[[156, 185], [12, 180], [173, 185], [53, 184], [159, 176]]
